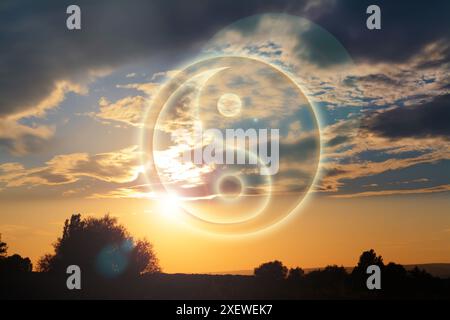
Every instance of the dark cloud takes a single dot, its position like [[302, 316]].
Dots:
[[370, 78], [305, 149], [340, 139], [407, 26], [333, 172], [23, 144], [38, 50], [322, 48], [422, 120]]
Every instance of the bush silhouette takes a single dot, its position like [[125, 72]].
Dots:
[[420, 274], [15, 264], [99, 246], [295, 274], [12, 264], [274, 270], [394, 278], [330, 281]]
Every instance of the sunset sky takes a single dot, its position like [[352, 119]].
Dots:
[[74, 107]]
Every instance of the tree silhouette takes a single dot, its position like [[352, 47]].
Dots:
[[330, 281], [395, 270], [417, 273], [102, 246], [274, 270], [295, 274], [12, 264], [3, 248], [368, 258], [15, 264], [99, 246], [394, 278], [359, 275]]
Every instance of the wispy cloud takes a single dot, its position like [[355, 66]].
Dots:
[[116, 167], [128, 110], [436, 189]]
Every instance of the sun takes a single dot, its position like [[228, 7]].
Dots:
[[169, 204]]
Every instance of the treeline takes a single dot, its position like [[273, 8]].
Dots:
[[334, 282], [117, 266]]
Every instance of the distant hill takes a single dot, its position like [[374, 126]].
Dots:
[[441, 270]]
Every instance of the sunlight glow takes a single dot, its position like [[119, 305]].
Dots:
[[169, 205]]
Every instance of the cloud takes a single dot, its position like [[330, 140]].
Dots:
[[336, 174], [115, 167], [128, 110], [440, 188], [404, 76], [391, 43], [321, 65], [383, 84], [136, 192], [429, 119], [41, 51], [366, 153], [163, 75], [420, 180], [52, 100], [20, 139], [372, 85], [149, 88], [318, 7]]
